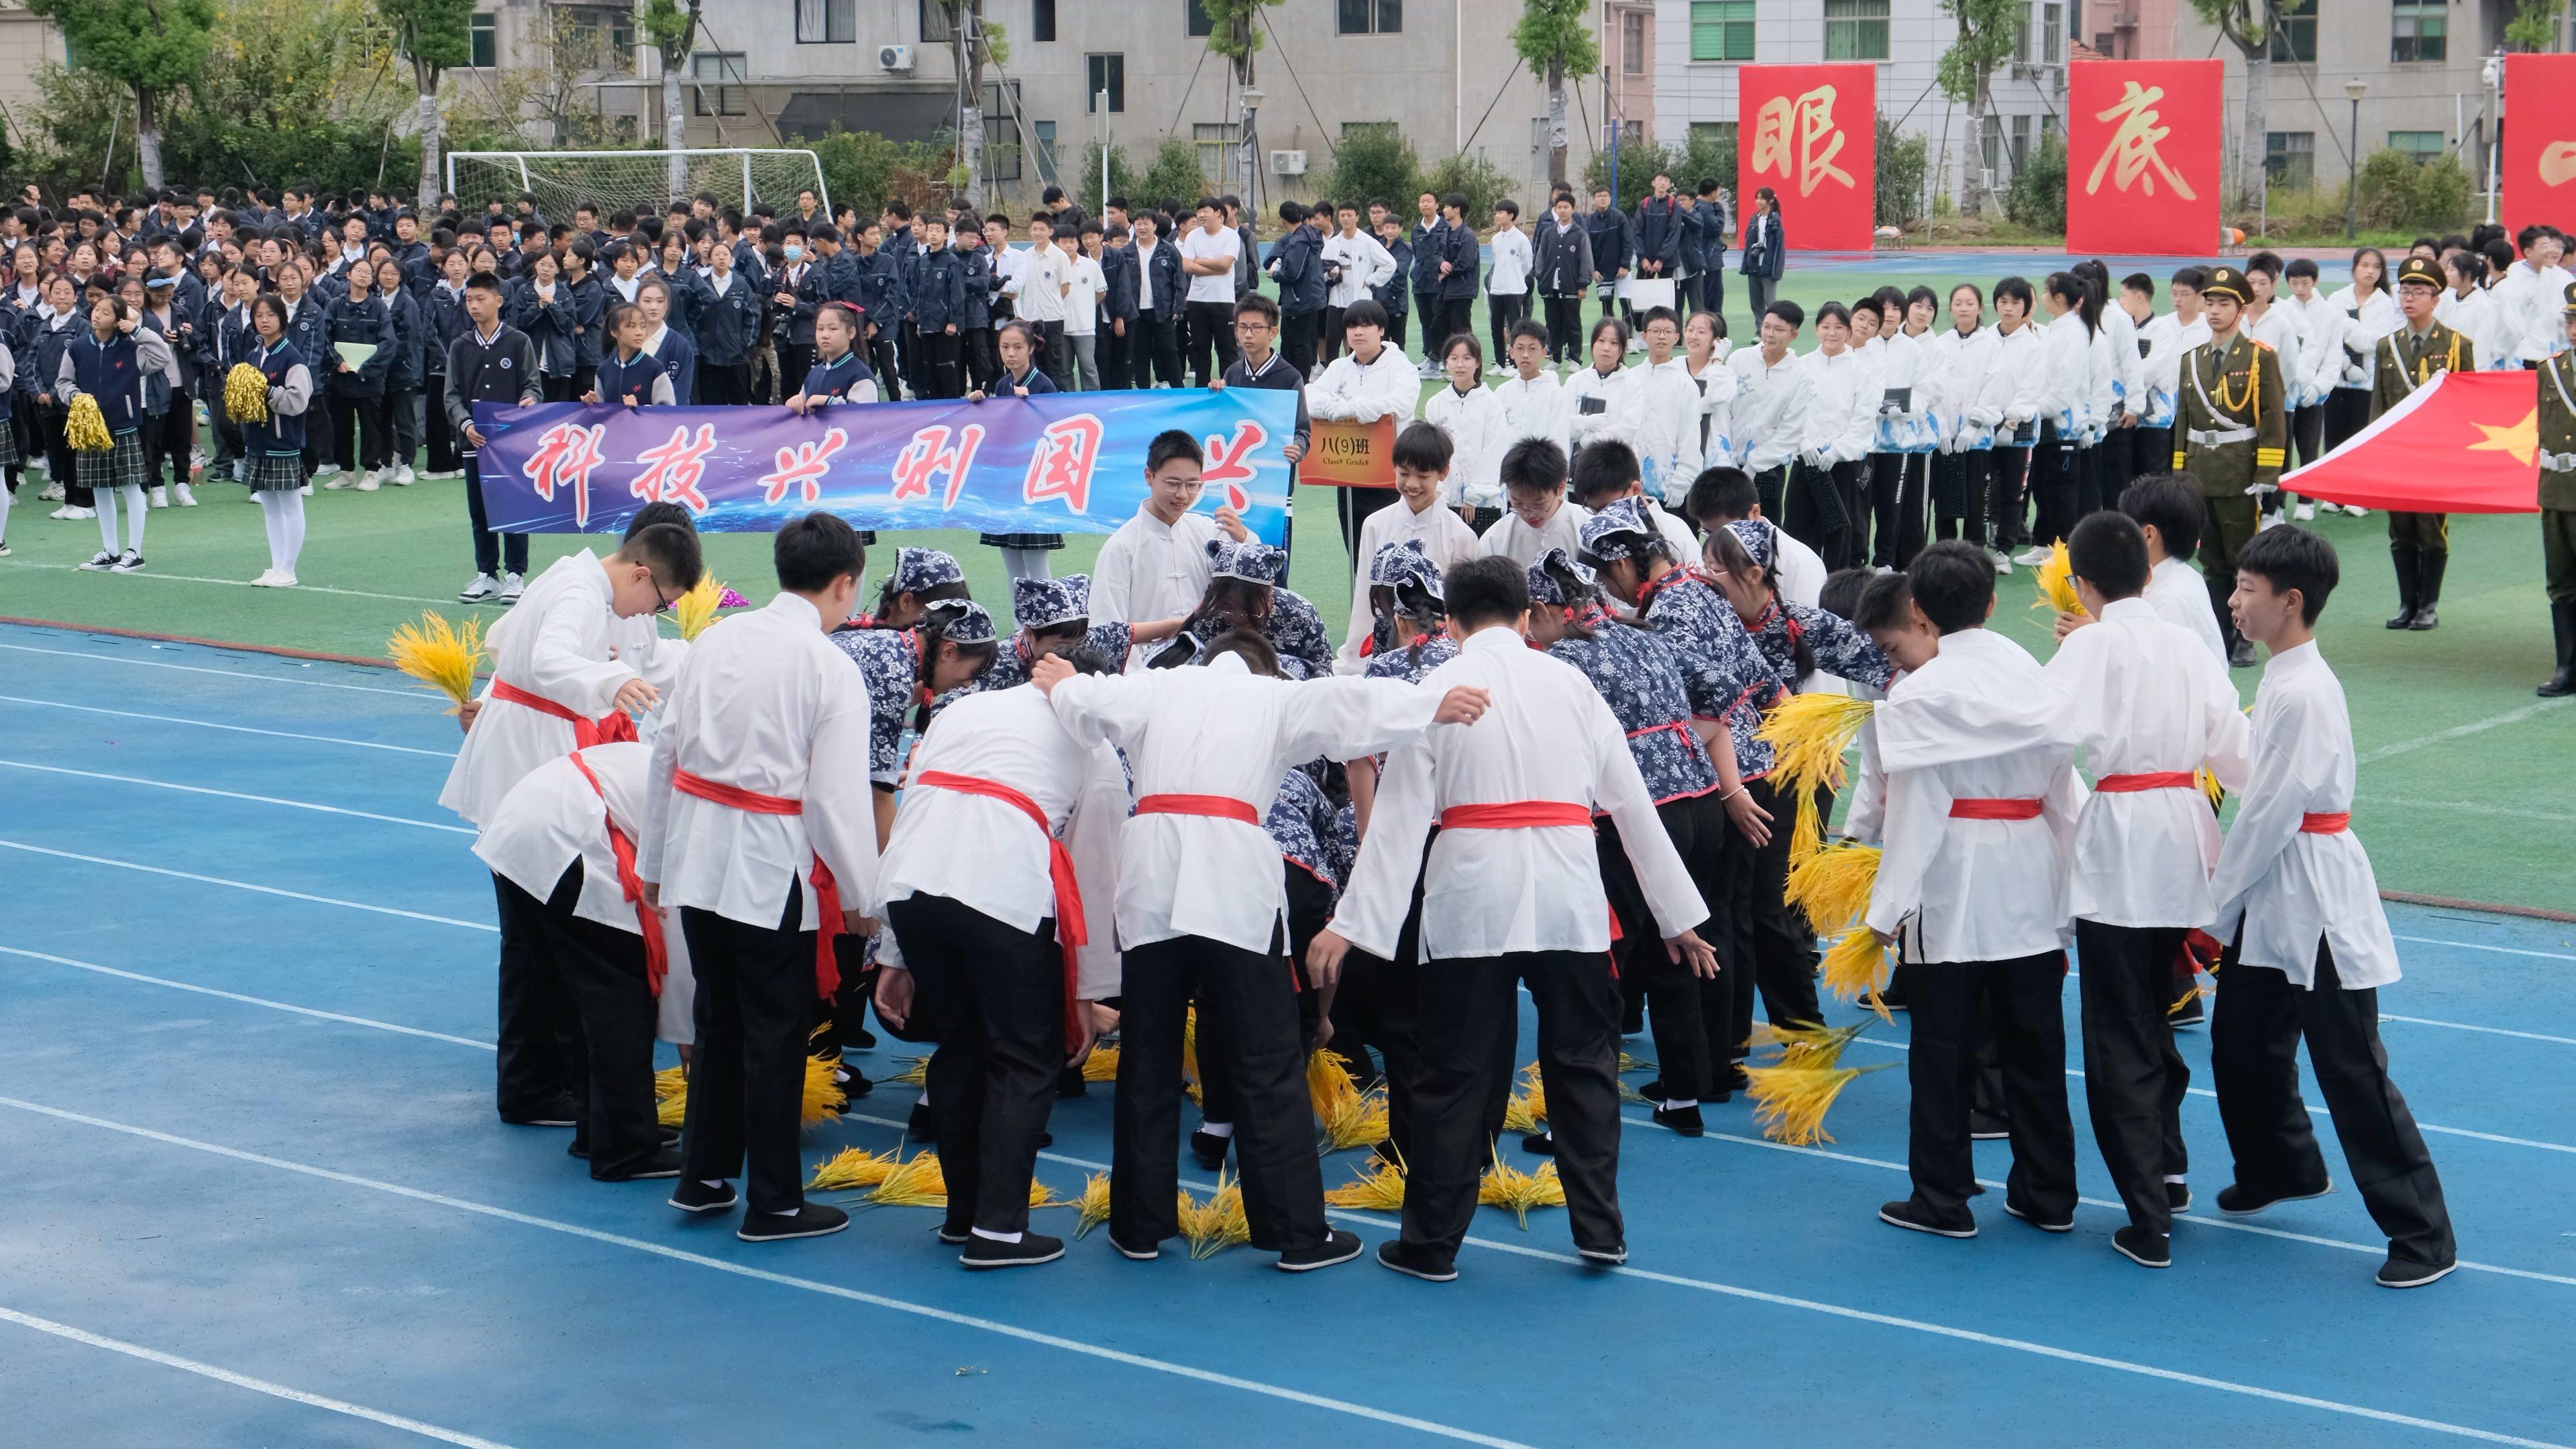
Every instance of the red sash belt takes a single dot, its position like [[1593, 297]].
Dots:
[[1986, 809], [1222, 807], [657, 953], [2325, 822], [2152, 780], [827, 891], [1070, 931], [1523, 815], [611, 728]]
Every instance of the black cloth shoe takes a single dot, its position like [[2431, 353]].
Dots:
[[2044, 1226], [1683, 1120], [813, 1220], [1031, 1250], [1208, 1149], [1337, 1247], [2146, 1249], [1610, 1257], [665, 1162], [1540, 1143], [1736, 1081], [1653, 1091], [1912, 1214], [2178, 1197], [694, 1196], [2239, 1201], [917, 1126], [956, 1237], [1986, 1127], [559, 1110], [1145, 1254], [1069, 1083], [853, 1085], [1427, 1264], [2195, 1012], [861, 1039], [2400, 1272], [1891, 998]]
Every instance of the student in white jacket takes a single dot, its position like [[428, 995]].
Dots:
[[2533, 289], [2471, 308], [2370, 313], [2012, 395], [1469, 414], [1374, 380], [1605, 400], [1531, 394], [2065, 411], [2321, 329], [1957, 357], [2115, 453], [1704, 363], [1358, 265], [1668, 411], [1767, 423], [2159, 347], [1825, 502], [2276, 327]]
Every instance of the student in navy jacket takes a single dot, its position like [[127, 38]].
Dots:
[[938, 293], [1464, 258], [308, 326], [1297, 265], [404, 383], [729, 312], [446, 321], [1766, 248], [678, 354], [1430, 239], [358, 429], [1613, 248], [589, 299], [1162, 299], [541, 305], [979, 360], [1393, 294], [1118, 308]]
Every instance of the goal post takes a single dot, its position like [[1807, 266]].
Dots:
[[637, 180]]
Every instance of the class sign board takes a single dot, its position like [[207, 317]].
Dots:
[[1812, 137], [2142, 156], [1343, 454]]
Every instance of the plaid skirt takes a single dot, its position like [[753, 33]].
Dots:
[[10, 457], [1021, 540], [273, 472], [118, 467]]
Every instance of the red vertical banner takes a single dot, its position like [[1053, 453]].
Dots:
[[1810, 133], [2539, 161], [2142, 156]]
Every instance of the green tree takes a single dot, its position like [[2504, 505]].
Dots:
[[1554, 39], [1376, 164], [1174, 180], [2036, 196], [1122, 177], [2248, 25], [431, 35], [1902, 163], [2534, 25], [1986, 31], [151, 47], [672, 28], [1638, 164], [1477, 179]]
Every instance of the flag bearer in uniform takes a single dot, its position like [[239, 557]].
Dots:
[[757, 827], [2418, 543], [2558, 502], [1199, 910], [2150, 707], [2231, 435], [1512, 893], [2308, 944], [1977, 759]]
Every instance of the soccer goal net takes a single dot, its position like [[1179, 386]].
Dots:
[[638, 180]]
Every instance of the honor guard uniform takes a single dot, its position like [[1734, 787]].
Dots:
[[2558, 504], [2419, 543], [2231, 433]]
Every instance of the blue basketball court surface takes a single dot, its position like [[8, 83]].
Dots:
[[256, 1194]]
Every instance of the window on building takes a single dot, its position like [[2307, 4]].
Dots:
[[1632, 42], [2294, 37], [935, 29], [1194, 19], [1369, 17], [2048, 126], [1712, 133], [2418, 146], [2020, 142], [2290, 157], [719, 76], [827, 22], [1104, 73], [1856, 29], [1041, 19], [2052, 47], [1216, 145], [1722, 30], [2021, 36], [2418, 31], [483, 39], [1044, 134], [1990, 145], [599, 38]]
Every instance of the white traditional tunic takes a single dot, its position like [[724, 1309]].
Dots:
[[988, 854], [1444, 536], [764, 703], [1515, 540], [1548, 737], [1767, 423], [2147, 699], [1980, 721], [1151, 570], [2179, 595], [2293, 873], [554, 644], [1223, 731]]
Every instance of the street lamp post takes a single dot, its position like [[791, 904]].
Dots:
[[2353, 90], [1247, 147]]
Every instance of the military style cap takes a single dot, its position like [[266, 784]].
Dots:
[[2571, 297], [1046, 603], [2227, 282], [1254, 563], [2422, 270]]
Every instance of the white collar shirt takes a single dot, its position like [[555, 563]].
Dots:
[[553, 817], [1515, 540], [1151, 570], [554, 643]]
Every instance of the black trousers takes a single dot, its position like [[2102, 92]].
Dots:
[[2254, 1034], [1298, 332], [1959, 496], [1771, 488], [1503, 311], [490, 549], [1471, 1012], [1781, 944], [1823, 512], [747, 1072], [941, 365], [795, 359], [1897, 484], [723, 384], [1211, 329], [539, 1035], [1564, 328], [171, 436], [352, 414], [984, 356], [2152, 453], [2053, 465], [1111, 354], [1395, 329], [1249, 998], [441, 439], [1152, 351], [2006, 468], [2030, 1037], [1694, 1063], [2134, 1079], [998, 994], [1379, 1004], [1457, 319], [603, 973]]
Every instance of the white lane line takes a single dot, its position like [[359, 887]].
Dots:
[[243, 885], [2493, 721], [245, 583], [422, 695], [2498, 950], [832, 1290], [237, 729], [237, 795], [245, 1381], [2468, 807], [2486, 1030], [346, 1020]]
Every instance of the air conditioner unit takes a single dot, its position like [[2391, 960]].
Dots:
[[895, 58], [1288, 163]]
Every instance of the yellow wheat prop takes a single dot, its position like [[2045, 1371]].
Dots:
[[670, 1082], [86, 429], [1527, 1110], [824, 1098], [696, 609], [439, 654], [915, 1073], [1789, 1103], [2210, 789], [1379, 1188], [673, 1110], [1217, 1224], [1627, 1064], [1833, 886], [853, 1170], [2057, 583], [1807, 1046], [1093, 1208], [1349, 1116], [1857, 965], [1190, 1052], [1506, 1186], [246, 394], [914, 1181], [1101, 1065], [1808, 734]]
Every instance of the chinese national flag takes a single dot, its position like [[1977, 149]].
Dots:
[[2465, 442], [2539, 163]]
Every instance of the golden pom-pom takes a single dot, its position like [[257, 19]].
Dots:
[[1093, 1208], [1833, 886], [439, 654], [1857, 965], [246, 394], [86, 429], [1808, 734], [2210, 789], [1790, 1103], [1378, 1189], [2057, 583], [696, 609]]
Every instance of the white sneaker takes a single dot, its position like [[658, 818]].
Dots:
[[484, 587], [306, 490], [512, 586], [325, 470], [160, 495], [441, 475], [187, 497], [77, 514], [2307, 512], [2003, 565], [1495, 370], [66, 511], [196, 459], [402, 476], [2032, 556], [53, 493], [99, 563], [368, 481], [267, 579], [2353, 510], [128, 562], [4, 548], [339, 480]]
